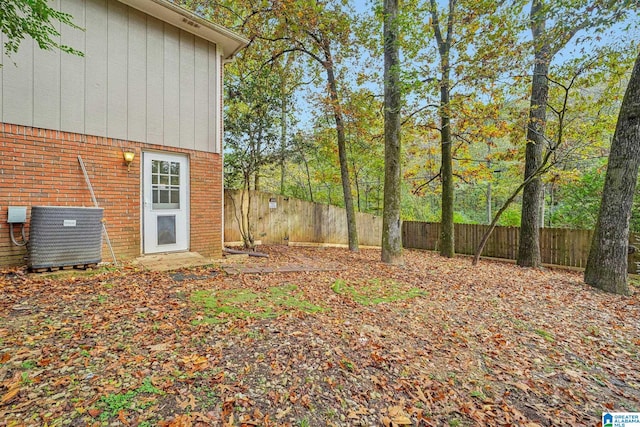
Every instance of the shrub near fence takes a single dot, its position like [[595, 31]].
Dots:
[[281, 220]]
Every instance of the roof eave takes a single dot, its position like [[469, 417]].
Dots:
[[177, 16]]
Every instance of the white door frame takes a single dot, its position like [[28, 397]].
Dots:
[[165, 202]]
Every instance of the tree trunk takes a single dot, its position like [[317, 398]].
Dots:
[[244, 221], [529, 246], [356, 183], [447, 243], [284, 124], [391, 222], [352, 231], [447, 235], [607, 262], [308, 174], [496, 218], [489, 203], [283, 136]]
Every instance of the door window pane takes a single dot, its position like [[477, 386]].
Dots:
[[165, 184]]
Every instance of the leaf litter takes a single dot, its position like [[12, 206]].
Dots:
[[434, 342]]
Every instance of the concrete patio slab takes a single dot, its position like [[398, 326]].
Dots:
[[171, 261], [230, 264]]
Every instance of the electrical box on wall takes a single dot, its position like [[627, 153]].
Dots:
[[17, 214]]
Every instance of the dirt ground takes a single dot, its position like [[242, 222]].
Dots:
[[436, 342]]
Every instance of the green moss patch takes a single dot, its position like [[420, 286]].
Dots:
[[224, 305], [110, 405], [375, 291]]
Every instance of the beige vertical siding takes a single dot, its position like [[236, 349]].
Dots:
[[72, 70], [155, 81], [117, 47], [95, 69], [140, 80], [46, 83], [17, 85], [187, 90], [201, 98], [1, 73], [136, 76], [171, 85]]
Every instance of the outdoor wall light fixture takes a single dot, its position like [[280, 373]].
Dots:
[[128, 158]]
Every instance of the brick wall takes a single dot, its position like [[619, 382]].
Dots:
[[40, 167], [206, 203]]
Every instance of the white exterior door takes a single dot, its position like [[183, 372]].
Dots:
[[165, 202]]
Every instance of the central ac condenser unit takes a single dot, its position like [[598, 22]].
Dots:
[[62, 236]]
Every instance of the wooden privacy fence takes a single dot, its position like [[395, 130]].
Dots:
[[558, 246], [282, 220], [276, 219]]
